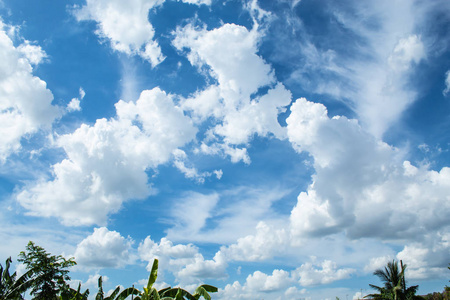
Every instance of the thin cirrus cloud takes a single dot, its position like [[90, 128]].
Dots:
[[370, 72]]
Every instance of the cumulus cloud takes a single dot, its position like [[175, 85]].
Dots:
[[264, 244], [407, 51], [356, 175], [324, 273], [106, 163], [281, 284], [183, 261], [229, 55], [25, 102], [103, 249], [201, 268], [125, 25], [34, 53], [74, 104], [260, 285]]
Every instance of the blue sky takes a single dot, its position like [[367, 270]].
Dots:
[[276, 149]]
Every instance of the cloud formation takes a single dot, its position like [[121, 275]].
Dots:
[[106, 163], [229, 55], [25, 102], [125, 25], [103, 249]]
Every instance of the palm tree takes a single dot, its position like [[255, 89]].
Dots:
[[394, 281]]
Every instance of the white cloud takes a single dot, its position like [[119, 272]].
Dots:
[[356, 177], [181, 161], [260, 286], [327, 272], [230, 51], [201, 269], [356, 174], [74, 105], [34, 53], [259, 281], [197, 2], [125, 25], [264, 244], [447, 83], [371, 73], [106, 163], [377, 263], [25, 102], [197, 209], [103, 249], [183, 261], [407, 51], [236, 213], [229, 54]]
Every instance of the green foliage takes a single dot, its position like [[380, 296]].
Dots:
[[47, 275], [115, 295], [394, 281], [67, 293], [49, 271], [10, 287], [150, 293]]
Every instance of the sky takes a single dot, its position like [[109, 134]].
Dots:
[[273, 148]]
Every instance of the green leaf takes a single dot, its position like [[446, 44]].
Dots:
[[127, 292], [153, 274], [201, 292], [114, 294], [179, 295], [210, 288]]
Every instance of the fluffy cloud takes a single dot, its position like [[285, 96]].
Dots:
[[260, 246], [25, 102], [281, 284], [125, 25], [260, 285], [201, 269], [357, 177], [326, 272], [407, 51], [106, 163], [356, 174], [183, 261], [34, 53], [103, 249], [229, 54], [74, 104]]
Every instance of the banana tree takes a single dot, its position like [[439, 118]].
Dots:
[[116, 294], [10, 287], [151, 293], [68, 293]]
